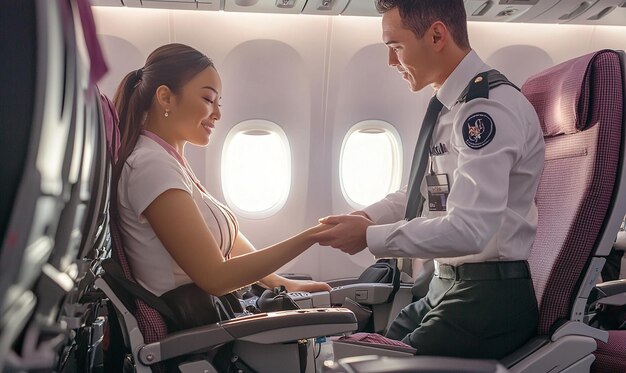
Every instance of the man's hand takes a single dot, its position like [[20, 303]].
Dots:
[[347, 235]]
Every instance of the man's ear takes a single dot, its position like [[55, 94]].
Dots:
[[164, 97], [439, 35]]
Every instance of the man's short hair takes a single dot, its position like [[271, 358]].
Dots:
[[419, 15]]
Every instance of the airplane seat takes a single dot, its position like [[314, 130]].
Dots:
[[581, 201], [37, 113], [38, 261], [83, 309]]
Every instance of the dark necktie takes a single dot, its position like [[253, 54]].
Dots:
[[415, 201]]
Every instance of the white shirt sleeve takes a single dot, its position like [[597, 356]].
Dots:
[[149, 175], [389, 209], [477, 200]]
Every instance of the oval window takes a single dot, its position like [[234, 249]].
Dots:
[[256, 168], [370, 163]]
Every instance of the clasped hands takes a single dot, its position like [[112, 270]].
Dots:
[[344, 232]]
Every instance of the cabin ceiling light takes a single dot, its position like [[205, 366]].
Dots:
[[246, 2]]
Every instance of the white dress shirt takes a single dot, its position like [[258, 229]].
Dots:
[[491, 214]]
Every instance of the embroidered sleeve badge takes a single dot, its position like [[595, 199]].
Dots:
[[478, 130]]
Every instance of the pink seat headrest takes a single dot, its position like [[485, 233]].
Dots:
[[561, 95]]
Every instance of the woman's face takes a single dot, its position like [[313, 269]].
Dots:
[[197, 107]]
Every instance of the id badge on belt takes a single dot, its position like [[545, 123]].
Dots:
[[438, 190]]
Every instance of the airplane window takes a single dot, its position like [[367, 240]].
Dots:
[[371, 162], [256, 168]]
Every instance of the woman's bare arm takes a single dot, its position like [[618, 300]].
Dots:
[[179, 225], [244, 246]]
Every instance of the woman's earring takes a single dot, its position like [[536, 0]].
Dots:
[[167, 113]]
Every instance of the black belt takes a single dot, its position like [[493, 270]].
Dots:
[[484, 271]]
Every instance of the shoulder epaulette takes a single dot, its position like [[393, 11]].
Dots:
[[482, 83]]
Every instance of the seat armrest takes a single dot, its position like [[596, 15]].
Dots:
[[285, 326], [303, 299], [526, 350], [366, 293], [184, 342], [265, 328], [609, 288], [570, 328], [342, 282], [612, 293]]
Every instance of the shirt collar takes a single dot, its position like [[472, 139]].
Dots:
[[470, 66]]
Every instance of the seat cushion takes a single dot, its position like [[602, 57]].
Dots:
[[611, 356]]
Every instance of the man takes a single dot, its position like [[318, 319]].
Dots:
[[478, 177]]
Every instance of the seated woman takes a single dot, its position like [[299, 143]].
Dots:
[[174, 231]]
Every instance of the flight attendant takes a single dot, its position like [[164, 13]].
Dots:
[[470, 200]]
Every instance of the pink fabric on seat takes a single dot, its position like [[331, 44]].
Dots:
[[611, 356], [576, 186], [373, 338], [98, 66], [561, 96]]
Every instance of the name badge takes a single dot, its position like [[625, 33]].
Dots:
[[438, 190]]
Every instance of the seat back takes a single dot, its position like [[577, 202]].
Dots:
[[611, 355], [581, 201], [150, 323], [52, 122], [580, 105], [37, 116]]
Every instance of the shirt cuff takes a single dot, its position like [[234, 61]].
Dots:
[[376, 236]]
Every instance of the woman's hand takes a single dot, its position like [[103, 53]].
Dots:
[[306, 285], [313, 231]]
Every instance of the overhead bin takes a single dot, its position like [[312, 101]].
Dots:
[[265, 6], [360, 8], [590, 12], [565, 11], [106, 2], [538, 9], [209, 4], [573, 11], [497, 11], [604, 12], [133, 3], [163, 4], [326, 7]]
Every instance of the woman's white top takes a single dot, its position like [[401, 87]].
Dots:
[[153, 167]]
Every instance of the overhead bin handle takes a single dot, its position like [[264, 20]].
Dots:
[[604, 12], [483, 9], [582, 8]]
